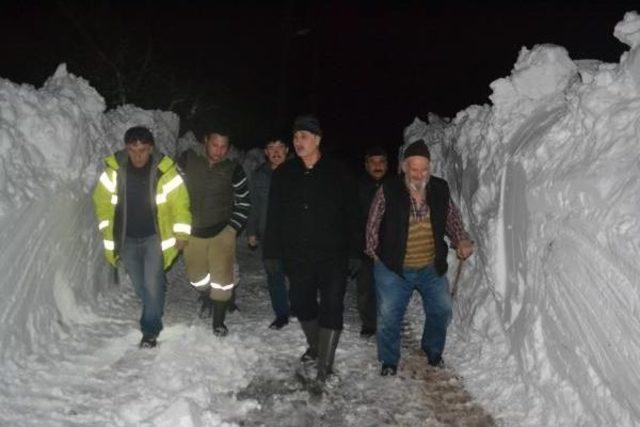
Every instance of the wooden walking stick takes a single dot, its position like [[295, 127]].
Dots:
[[456, 280]]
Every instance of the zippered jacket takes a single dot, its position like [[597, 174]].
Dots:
[[219, 193], [169, 202]]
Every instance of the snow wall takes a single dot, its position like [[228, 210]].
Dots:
[[51, 264], [547, 322]]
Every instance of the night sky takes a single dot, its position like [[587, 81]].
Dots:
[[365, 68]]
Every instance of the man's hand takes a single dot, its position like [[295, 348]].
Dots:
[[465, 249], [354, 266], [252, 241], [271, 265], [180, 244]]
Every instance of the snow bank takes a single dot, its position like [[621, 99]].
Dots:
[[547, 326], [51, 143]]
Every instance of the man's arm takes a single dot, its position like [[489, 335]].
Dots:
[[256, 209], [103, 195], [352, 211], [454, 229], [178, 199], [241, 200], [271, 245], [376, 212]]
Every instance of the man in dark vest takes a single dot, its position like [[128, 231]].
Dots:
[[376, 166], [312, 226], [408, 220], [220, 193]]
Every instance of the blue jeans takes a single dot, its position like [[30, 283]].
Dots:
[[142, 259], [394, 293], [278, 291]]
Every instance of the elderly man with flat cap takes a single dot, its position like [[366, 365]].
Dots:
[[312, 226], [408, 219]]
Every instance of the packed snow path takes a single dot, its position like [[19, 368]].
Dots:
[[193, 378]]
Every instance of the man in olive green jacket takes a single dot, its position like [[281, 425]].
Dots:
[[142, 206], [220, 207]]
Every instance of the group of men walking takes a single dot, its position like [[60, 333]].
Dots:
[[318, 226]]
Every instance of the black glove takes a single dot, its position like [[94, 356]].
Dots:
[[272, 265], [354, 266]]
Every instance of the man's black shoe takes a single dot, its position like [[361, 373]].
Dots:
[[388, 370], [367, 332], [279, 323], [437, 363], [148, 342], [220, 331]]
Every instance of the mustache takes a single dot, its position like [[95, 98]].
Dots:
[[417, 186]]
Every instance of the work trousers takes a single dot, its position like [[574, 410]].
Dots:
[[209, 263]]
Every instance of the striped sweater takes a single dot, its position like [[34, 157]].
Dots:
[[219, 194], [421, 249]]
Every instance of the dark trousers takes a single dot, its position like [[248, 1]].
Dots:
[[277, 284], [309, 280], [366, 295]]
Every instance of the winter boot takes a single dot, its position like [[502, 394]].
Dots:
[[206, 305], [437, 363], [310, 329], [328, 342], [148, 341], [388, 370], [219, 313], [279, 323], [232, 306]]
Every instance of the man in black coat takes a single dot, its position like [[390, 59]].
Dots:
[[312, 226], [376, 166]]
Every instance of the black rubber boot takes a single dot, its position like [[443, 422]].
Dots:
[[219, 313], [310, 329], [328, 342], [232, 307], [206, 305]]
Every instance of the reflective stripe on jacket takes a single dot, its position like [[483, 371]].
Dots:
[[171, 205]]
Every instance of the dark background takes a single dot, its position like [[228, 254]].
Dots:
[[365, 68]]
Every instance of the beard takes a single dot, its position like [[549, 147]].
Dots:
[[417, 186]]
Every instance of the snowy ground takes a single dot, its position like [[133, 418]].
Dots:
[[192, 378]]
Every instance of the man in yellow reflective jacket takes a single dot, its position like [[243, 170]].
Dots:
[[142, 206]]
